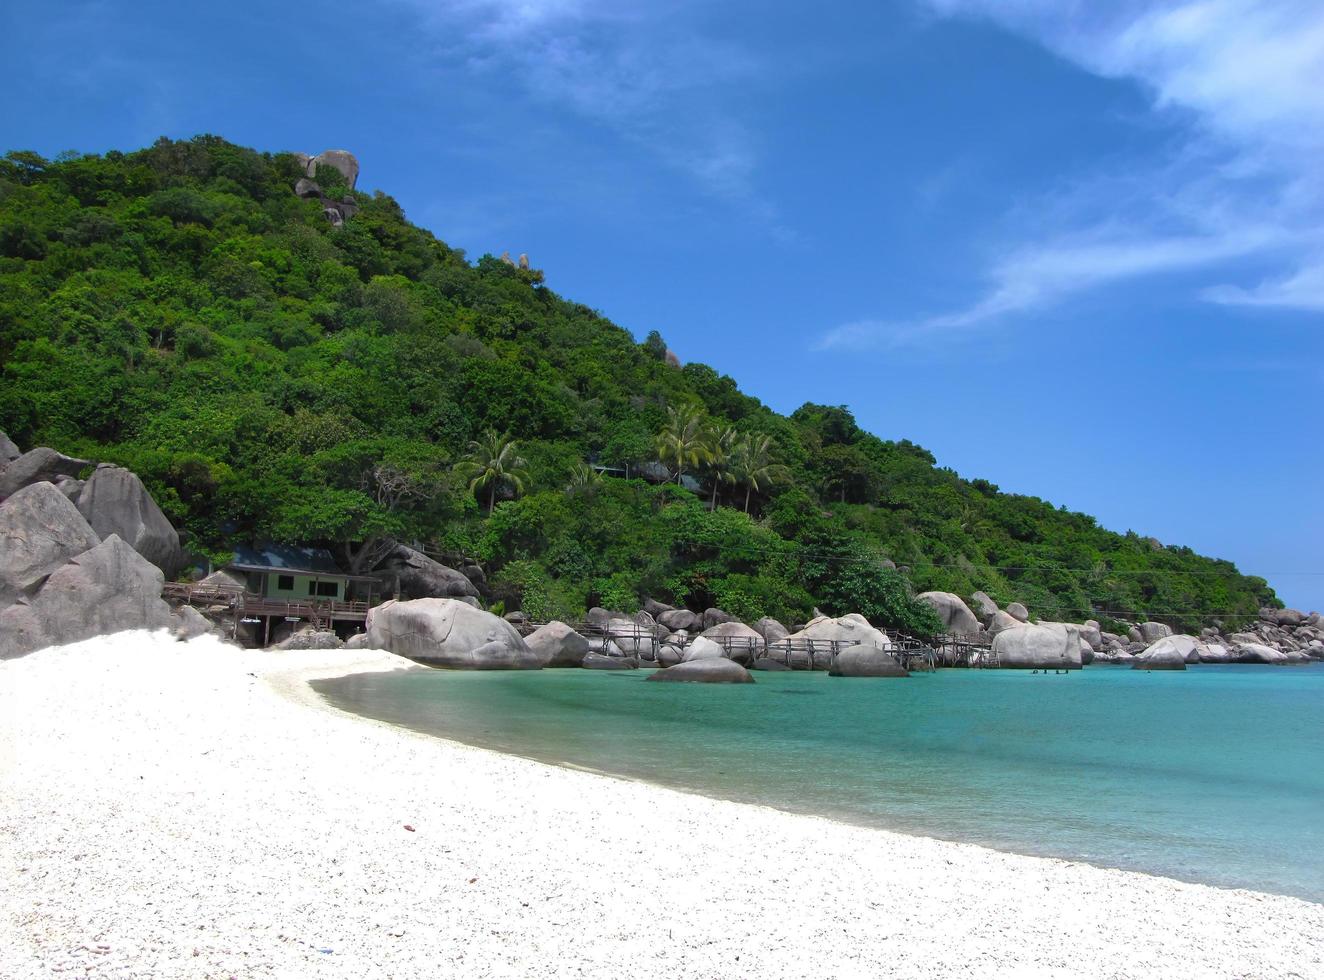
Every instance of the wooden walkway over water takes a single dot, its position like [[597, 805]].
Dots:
[[914, 653]]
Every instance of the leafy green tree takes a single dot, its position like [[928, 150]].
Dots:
[[493, 462]]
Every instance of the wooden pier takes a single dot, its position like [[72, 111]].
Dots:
[[913, 653], [244, 606]]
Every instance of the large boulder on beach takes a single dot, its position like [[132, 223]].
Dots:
[[742, 643], [719, 671], [1038, 647], [1150, 632], [114, 501], [767, 663], [557, 645], [952, 610], [1160, 651], [1161, 655], [107, 589], [40, 530], [191, 624], [713, 616], [984, 607], [1018, 612], [770, 629], [449, 633], [40, 465], [411, 574], [702, 648], [865, 661], [8, 450], [310, 639], [1214, 653], [680, 619], [1258, 653], [1002, 621], [633, 638], [847, 630]]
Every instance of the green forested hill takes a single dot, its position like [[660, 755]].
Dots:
[[179, 310]]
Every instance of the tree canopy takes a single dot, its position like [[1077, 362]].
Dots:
[[180, 311]]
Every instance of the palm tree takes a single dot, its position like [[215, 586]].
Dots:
[[683, 440], [492, 462], [752, 465], [583, 477], [722, 446]]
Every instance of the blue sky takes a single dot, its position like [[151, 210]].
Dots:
[[1074, 248]]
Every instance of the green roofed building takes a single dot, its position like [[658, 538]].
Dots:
[[294, 573]]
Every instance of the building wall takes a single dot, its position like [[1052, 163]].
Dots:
[[299, 590]]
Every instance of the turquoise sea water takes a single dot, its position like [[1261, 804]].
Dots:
[[1215, 774]]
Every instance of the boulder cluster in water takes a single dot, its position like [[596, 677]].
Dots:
[[89, 556], [1281, 636]]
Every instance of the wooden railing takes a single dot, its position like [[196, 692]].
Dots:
[[319, 612]]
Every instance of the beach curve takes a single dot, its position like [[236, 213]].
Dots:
[[193, 810]]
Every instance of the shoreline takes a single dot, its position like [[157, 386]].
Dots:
[[265, 833]]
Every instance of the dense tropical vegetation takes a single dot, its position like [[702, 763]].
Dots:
[[179, 310]]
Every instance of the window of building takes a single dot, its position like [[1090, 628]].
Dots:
[[328, 589], [285, 583]]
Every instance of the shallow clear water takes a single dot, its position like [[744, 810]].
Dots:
[[1213, 774]]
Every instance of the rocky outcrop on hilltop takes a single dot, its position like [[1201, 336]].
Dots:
[[337, 210]]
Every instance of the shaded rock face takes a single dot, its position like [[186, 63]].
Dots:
[[1160, 654], [1258, 653], [770, 629], [655, 608], [705, 672], [703, 648], [37, 466], [1149, 632], [1018, 612], [763, 663], [1002, 621], [1214, 653], [191, 624], [107, 589], [850, 629], [634, 639], [1290, 617], [114, 501], [985, 607], [714, 617], [1038, 647], [744, 643], [596, 661], [310, 639], [449, 633], [680, 619], [865, 661], [40, 530], [557, 645], [413, 575], [952, 610], [8, 450]]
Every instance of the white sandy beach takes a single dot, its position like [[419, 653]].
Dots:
[[189, 810]]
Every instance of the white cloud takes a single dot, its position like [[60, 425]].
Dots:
[[639, 69], [1245, 78]]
